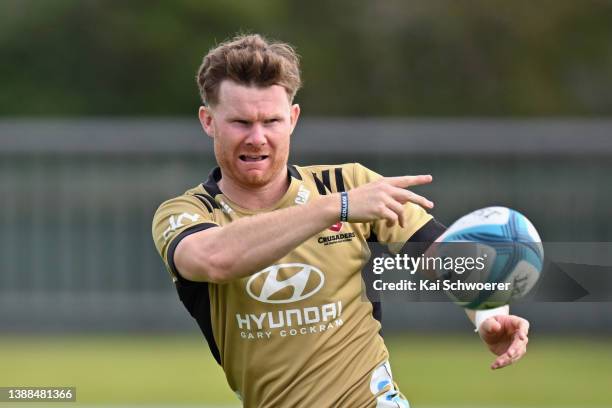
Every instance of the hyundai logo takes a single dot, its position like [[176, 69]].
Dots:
[[285, 283]]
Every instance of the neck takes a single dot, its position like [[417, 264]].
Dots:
[[255, 198]]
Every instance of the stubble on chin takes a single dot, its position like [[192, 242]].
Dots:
[[255, 180], [248, 180]]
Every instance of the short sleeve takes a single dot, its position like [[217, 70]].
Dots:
[[414, 216], [174, 220]]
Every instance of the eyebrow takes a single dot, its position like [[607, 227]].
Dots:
[[235, 117]]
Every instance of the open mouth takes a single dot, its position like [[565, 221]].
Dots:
[[252, 158]]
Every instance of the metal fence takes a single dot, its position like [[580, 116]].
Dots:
[[77, 198]]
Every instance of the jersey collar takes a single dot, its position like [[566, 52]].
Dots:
[[212, 187]]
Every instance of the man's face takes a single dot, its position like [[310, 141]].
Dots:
[[251, 128]]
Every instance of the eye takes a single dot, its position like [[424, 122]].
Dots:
[[273, 120], [241, 122]]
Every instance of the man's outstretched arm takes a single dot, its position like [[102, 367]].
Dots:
[[245, 246]]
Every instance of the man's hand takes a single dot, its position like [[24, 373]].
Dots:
[[506, 337], [385, 199]]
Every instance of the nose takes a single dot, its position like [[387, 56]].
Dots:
[[257, 136]]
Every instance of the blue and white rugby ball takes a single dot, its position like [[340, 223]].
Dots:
[[511, 246]]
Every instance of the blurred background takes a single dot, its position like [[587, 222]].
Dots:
[[505, 103]]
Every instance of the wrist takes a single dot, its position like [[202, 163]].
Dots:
[[331, 208]]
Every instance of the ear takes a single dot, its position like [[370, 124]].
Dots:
[[206, 120], [294, 115]]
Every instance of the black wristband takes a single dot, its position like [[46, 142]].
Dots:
[[344, 206]]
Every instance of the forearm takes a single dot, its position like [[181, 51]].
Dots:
[[249, 244]]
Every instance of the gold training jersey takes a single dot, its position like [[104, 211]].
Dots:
[[298, 333]]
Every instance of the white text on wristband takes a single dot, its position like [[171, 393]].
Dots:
[[344, 206]]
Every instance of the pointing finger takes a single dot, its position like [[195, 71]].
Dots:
[[407, 181], [403, 196]]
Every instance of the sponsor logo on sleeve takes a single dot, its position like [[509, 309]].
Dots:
[[177, 222]]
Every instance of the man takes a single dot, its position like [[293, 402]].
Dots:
[[267, 256]]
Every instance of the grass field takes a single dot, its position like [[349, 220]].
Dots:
[[433, 371]]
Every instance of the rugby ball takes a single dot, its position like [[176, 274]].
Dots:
[[510, 252]]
